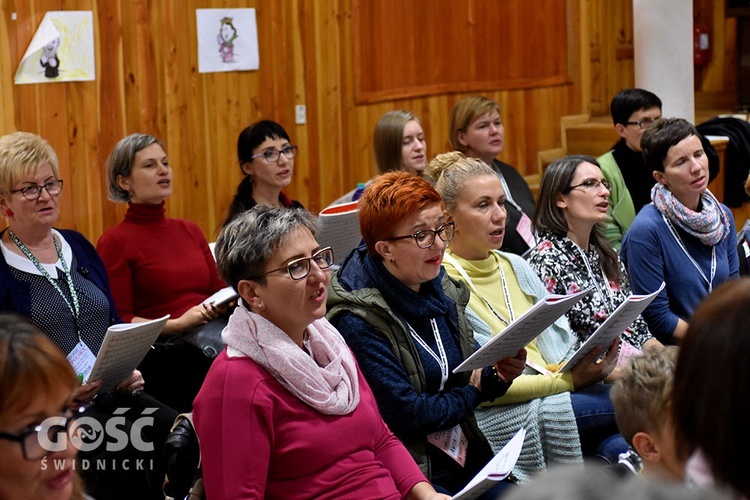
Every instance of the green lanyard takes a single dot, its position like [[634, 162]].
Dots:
[[74, 308]]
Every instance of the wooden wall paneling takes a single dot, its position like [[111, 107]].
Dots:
[[111, 95], [398, 41], [7, 69]]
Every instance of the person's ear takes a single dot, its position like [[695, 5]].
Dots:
[[646, 447], [461, 136], [249, 291], [562, 202], [384, 249], [659, 177], [246, 167], [123, 183], [620, 129]]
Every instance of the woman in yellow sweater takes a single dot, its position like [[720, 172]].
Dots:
[[563, 413]]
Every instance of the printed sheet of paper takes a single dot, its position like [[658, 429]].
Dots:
[[522, 331], [227, 40], [338, 228], [613, 326], [496, 469], [62, 49], [123, 349]]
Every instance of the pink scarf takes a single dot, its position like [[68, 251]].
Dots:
[[709, 225], [325, 380]]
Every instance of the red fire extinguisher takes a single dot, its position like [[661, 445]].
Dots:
[[701, 47]]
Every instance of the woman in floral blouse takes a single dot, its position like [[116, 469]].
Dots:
[[572, 253]]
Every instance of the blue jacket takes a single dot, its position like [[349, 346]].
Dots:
[[15, 296]]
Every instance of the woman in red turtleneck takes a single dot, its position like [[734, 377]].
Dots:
[[157, 266]]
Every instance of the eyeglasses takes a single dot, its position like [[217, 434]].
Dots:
[[591, 185], [643, 124], [273, 155], [299, 268], [32, 193], [426, 237], [33, 438]]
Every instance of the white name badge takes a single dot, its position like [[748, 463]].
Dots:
[[82, 360], [452, 442]]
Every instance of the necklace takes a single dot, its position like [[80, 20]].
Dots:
[[609, 298], [506, 293]]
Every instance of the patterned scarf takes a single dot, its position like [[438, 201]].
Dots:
[[325, 380], [709, 225]]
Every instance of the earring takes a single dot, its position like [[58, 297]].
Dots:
[[391, 259], [9, 213], [260, 305]]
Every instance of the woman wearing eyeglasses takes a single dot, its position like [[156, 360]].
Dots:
[[55, 278], [404, 319], [36, 383], [573, 253], [685, 238], [159, 265], [284, 412], [266, 157]]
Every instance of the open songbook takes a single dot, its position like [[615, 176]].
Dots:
[[522, 331], [123, 349], [338, 228], [613, 326], [496, 469]]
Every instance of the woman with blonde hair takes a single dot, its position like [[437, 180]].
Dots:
[[477, 130], [503, 287]]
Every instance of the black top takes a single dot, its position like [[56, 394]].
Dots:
[[524, 198]]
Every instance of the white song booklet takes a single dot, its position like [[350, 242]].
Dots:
[[496, 469], [613, 326], [522, 331], [123, 349]]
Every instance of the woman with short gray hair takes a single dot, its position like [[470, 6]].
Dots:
[[284, 411], [158, 266]]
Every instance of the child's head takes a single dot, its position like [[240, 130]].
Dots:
[[642, 401]]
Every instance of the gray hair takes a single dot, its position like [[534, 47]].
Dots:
[[120, 162], [451, 170], [246, 244]]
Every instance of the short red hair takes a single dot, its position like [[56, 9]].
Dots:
[[389, 199]]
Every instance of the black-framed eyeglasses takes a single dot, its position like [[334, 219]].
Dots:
[[273, 155], [591, 184], [643, 124], [32, 193], [426, 237], [33, 438], [299, 268]]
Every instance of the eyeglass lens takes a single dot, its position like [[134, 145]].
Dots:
[[300, 268]]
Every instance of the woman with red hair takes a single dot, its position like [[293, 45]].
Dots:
[[404, 319]]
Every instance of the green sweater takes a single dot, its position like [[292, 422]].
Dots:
[[621, 211]]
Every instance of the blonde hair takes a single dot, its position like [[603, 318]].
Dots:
[[464, 112], [21, 154], [451, 170], [643, 393]]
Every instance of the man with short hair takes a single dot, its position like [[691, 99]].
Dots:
[[633, 110]]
